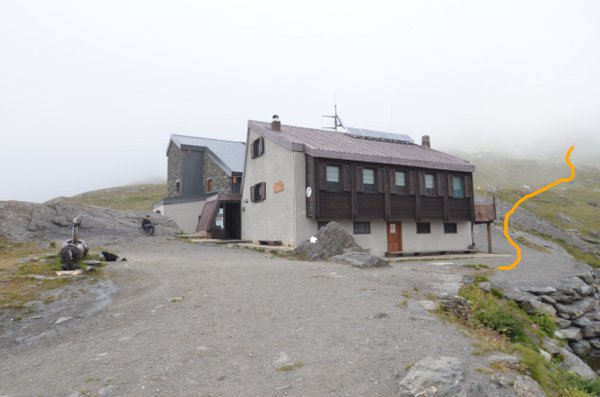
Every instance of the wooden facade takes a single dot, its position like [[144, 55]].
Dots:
[[348, 200]]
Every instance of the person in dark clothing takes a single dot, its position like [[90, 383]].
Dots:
[[148, 226]]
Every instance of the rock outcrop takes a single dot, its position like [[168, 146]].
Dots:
[[20, 221]]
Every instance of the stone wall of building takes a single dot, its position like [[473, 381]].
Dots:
[[221, 182], [174, 165]]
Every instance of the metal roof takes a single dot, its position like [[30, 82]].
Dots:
[[339, 145], [381, 135], [229, 154]]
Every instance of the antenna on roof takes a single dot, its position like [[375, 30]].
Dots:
[[337, 121]]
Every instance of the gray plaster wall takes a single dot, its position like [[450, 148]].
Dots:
[[273, 218], [185, 214], [221, 182], [174, 165]]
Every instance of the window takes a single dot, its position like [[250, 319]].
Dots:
[[178, 186], [450, 228], [368, 180], [362, 227], [333, 177], [258, 192], [458, 187], [429, 184], [400, 181], [423, 228], [209, 185], [321, 225], [258, 147]]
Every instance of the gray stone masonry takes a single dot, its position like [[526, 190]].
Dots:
[[221, 182], [174, 165]]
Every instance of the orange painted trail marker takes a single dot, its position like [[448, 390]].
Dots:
[[526, 197]]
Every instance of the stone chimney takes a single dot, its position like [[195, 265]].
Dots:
[[276, 124], [426, 142]]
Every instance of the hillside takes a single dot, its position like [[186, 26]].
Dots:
[[574, 208], [135, 197]]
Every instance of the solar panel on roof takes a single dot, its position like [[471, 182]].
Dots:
[[378, 135]]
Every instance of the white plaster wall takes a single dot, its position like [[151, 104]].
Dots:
[[273, 218], [185, 215], [437, 240]]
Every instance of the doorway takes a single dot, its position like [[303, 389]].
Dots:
[[394, 236]]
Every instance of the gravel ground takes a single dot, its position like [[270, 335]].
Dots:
[[202, 320]]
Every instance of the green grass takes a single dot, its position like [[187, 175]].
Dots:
[[500, 325], [137, 197], [290, 367]]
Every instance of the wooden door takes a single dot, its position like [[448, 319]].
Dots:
[[394, 236]]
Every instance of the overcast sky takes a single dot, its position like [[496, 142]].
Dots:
[[90, 91]]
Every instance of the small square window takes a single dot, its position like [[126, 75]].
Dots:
[[258, 192], [458, 187], [368, 180], [362, 227], [450, 228], [321, 225], [423, 228], [333, 177]]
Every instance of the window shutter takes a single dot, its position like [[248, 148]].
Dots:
[[252, 155], [261, 146], [346, 182], [450, 186], [322, 176], [392, 181], [359, 179], [468, 186], [381, 180], [422, 183], [252, 193], [440, 184], [412, 182], [263, 191]]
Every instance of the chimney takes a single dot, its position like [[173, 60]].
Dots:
[[426, 142], [276, 124]]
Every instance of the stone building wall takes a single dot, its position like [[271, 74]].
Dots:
[[174, 165], [221, 182]]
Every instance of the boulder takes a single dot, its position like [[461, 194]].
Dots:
[[577, 309], [571, 289], [535, 306], [588, 278], [569, 360], [591, 330], [359, 259], [541, 290], [571, 334], [456, 305], [433, 377], [562, 323], [329, 241], [581, 347]]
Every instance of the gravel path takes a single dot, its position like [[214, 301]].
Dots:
[[203, 320]]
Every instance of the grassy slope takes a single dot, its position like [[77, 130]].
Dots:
[[138, 197]]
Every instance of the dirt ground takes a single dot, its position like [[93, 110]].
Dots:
[[189, 319], [202, 320]]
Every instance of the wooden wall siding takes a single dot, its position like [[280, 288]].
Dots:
[[384, 203], [432, 207], [334, 205], [370, 206], [401, 207], [192, 178], [311, 202], [459, 209]]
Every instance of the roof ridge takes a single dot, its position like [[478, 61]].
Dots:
[[211, 139]]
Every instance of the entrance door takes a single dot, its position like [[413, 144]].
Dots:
[[394, 236]]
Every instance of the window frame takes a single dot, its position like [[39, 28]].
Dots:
[[429, 191], [332, 186], [423, 227], [258, 192], [398, 188], [371, 187], [356, 227], [450, 228], [257, 147], [462, 183]]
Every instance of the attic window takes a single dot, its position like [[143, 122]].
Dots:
[[458, 187], [368, 180], [429, 185], [258, 147], [333, 177]]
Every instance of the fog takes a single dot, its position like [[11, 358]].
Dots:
[[91, 91]]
